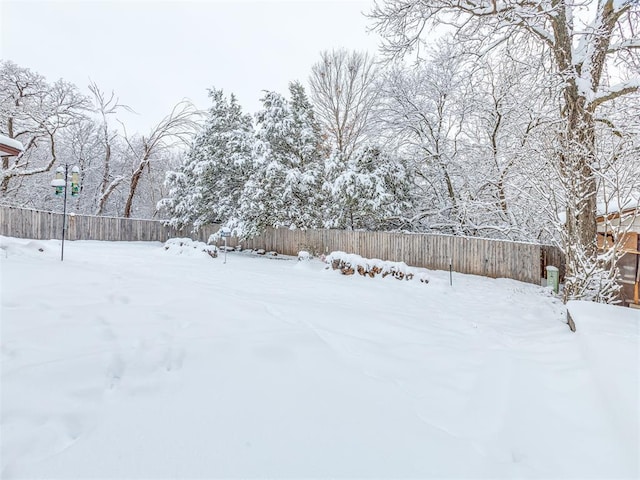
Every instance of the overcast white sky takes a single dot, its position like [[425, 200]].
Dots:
[[154, 54]]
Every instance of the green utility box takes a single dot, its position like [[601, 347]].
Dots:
[[553, 278]]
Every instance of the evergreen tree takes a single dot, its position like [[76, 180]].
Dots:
[[285, 187], [208, 185], [370, 190]]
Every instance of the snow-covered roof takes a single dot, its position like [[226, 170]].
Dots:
[[615, 206], [10, 146], [624, 213]]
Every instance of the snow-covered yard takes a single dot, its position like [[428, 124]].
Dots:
[[131, 361]]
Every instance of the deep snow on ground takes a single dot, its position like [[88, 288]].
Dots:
[[131, 361]]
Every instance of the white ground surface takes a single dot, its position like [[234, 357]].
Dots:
[[128, 361]]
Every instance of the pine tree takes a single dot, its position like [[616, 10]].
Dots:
[[207, 187], [370, 190], [285, 187]]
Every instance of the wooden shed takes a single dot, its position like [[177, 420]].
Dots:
[[624, 222]]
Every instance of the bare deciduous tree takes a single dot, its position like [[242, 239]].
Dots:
[[35, 112], [342, 89], [175, 129], [106, 107], [582, 40]]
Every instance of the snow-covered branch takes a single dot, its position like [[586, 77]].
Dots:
[[609, 93]]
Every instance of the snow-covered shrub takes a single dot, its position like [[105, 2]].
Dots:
[[18, 247], [186, 246], [349, 263], [303, 255]]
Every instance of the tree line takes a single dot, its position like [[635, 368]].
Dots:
[[520, 121], [122, 174]]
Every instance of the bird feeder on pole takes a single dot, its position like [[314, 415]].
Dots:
[[60, 184]]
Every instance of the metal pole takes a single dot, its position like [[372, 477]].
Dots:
[[450, 271], [64, 211]]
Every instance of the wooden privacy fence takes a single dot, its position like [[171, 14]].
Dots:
[[477, 256], [490, 258], [24, 223]]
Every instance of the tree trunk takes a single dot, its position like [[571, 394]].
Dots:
[[576, 165], [576, 160], [135, 179], [105, 196], [5, 160]]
